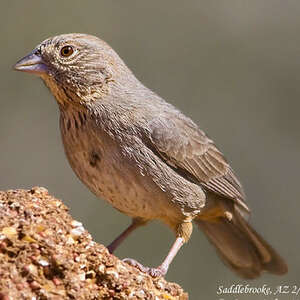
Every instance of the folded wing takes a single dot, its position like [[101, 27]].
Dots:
[[182, 145]]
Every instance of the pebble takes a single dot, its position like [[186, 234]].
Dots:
[[43, 263]]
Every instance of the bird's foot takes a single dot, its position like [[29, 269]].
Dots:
[[154, 272]]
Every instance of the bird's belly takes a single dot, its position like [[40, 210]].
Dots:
[[112, 178]]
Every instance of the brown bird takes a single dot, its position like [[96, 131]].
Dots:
[[144, 156]]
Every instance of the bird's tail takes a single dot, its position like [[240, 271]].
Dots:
[[241, 247]]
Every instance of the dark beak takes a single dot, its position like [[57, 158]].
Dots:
[[32, 63]]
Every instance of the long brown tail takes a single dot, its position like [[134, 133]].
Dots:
[[241, 247]]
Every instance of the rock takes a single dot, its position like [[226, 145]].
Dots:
[[45, 254]]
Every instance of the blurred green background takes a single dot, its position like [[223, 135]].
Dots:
[[233, 66]]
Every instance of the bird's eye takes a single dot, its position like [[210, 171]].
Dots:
[[66, 51]]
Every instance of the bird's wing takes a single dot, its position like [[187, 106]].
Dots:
[[183, 146]]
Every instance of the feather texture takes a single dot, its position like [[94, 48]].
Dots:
[[186, 148]]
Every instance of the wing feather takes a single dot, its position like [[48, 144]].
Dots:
[[188, 150]]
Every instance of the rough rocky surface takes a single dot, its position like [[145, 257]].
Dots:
[[45, 254]]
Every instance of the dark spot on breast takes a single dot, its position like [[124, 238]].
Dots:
[[94, 158], [76, 123], [68, 124], [80, 118]]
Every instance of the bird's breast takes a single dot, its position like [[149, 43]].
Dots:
[[98, 160]]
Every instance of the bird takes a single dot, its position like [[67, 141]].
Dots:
[[144, 156]]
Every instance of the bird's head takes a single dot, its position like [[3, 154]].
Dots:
[[77, 68]]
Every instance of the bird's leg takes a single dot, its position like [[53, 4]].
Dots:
[[163, 268], [116, 242], [183, 231]]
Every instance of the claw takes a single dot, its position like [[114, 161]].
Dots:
[[136, 264], [154, 272]]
